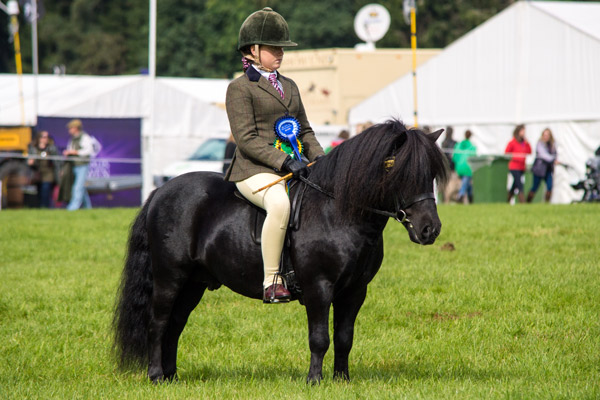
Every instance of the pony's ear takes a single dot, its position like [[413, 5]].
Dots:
[[435, 135]]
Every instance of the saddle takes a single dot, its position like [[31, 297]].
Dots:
[[286, 268]]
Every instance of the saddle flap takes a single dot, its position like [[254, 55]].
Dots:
[[257, 218]]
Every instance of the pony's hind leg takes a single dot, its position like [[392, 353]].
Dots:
[[188, 299], [166, 292], [345, 310]]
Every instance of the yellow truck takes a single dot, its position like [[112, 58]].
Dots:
[[14, 172]]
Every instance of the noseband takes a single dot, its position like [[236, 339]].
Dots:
[[402, 205]]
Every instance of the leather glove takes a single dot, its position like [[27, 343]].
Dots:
[[295, 167]]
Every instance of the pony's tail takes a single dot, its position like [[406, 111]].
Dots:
[[132, 309]]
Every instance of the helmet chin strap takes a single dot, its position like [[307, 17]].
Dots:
[[256, 59]]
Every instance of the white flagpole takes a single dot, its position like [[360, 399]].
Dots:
[[147, 158]]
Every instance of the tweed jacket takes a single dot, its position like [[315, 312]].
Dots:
[[253, 105]]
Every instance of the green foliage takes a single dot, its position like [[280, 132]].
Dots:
[[511, 313], [198, 37]]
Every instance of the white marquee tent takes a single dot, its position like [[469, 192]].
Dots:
[[536, 63], [184, 112]]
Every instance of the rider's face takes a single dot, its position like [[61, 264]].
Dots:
[[270, 56]]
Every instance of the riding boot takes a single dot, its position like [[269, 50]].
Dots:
[[521, 198], [530, 197], [276, 293], [548, 196]]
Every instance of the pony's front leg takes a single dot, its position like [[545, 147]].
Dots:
[[345, 310], [317, 312]]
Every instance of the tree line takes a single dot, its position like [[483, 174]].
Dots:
[[198, 38]]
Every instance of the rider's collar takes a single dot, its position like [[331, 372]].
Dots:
[[253, 74]]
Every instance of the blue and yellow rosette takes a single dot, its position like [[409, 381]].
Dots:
[[287, 129]]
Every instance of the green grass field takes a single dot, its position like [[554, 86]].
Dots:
[[512, 313]]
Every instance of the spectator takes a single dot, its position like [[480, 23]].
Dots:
[[452, 187], [462, 152], [543, 166], [80, 146], [229, 152], [45, 171], [343, 135], [518, 148]]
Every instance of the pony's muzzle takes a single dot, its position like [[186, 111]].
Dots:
[[429, 233]]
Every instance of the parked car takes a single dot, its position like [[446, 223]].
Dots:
[[207, 157]]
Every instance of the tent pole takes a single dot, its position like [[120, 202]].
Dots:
[[413, 45], [15, 27]]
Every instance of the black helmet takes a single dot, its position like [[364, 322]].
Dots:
[[265, 27]]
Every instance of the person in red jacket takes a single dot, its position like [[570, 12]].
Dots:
[[518, 148]]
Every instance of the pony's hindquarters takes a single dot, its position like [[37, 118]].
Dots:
[[132, 310]]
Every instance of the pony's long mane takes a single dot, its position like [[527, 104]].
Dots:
[[354, 170]]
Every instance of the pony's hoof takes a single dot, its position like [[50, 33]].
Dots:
[[171, 378], [156, 376], [341, 376], [314, 380], [165, 379]]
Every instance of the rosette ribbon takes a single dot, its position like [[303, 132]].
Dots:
[[287, 128]]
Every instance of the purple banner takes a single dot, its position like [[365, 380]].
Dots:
[[120, 138]]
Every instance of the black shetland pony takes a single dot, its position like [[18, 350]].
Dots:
[[194, 234]]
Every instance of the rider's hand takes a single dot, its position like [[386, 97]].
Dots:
[[295, 167]]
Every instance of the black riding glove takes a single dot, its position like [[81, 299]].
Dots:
[[295, 167]]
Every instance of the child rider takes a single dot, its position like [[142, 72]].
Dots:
[[272, 133]]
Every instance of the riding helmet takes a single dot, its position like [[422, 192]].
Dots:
[[265, 27]]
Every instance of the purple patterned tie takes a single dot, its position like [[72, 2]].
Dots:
[[273, 80]]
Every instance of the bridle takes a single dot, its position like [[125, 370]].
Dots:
[[401, 204]]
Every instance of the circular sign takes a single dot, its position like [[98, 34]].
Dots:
[[372, 22]]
